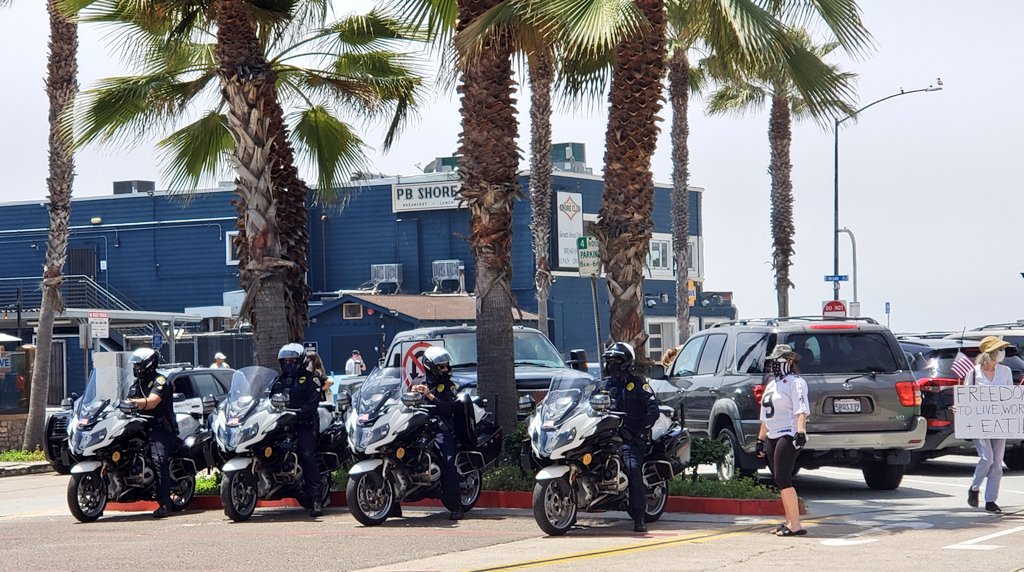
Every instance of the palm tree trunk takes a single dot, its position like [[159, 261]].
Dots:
[[489, 187], [61, 87], [247, 83], [541, 76], [780, 136], [679, 96], [625, 226]]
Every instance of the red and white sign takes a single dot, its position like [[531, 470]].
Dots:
[[412, 369], [99, 324], [833, 308]]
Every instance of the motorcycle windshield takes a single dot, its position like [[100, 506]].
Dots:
[[248, 386], [568, 392], [106, 386], [383, 385]]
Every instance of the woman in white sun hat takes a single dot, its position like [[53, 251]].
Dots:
[[989, 371]]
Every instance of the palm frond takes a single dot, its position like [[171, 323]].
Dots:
[[328, 145], [737, 99], [436, 18], [199, 151]]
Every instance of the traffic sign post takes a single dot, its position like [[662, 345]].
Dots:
[[158, 339], [589, 254], [99, 325], [886, 314], [837, 278], [833, 308]]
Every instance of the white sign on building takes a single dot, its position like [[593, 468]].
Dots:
[[569, 225], [428, 196], [989, 411], [99, 324]]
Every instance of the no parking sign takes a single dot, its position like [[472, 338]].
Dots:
[[412, 369]]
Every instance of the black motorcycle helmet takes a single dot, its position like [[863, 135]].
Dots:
[[437, 361], [144, 363], [619, 358]]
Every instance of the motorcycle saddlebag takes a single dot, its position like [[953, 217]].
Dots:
[[464, 422], [489, 442]]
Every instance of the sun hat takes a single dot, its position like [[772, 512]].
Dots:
[[991, 344], [784, 351], [219, 355]]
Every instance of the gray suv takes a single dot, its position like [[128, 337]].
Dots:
[[866, 406]]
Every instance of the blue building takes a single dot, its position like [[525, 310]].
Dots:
[[392, 259]]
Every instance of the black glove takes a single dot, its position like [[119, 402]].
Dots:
[[800, 441], [759, 448]]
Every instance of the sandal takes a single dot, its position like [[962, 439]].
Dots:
[[785, 531], [778, 528]]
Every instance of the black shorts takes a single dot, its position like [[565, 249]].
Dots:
[[782, 456]]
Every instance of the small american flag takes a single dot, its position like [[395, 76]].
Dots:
[[962, 365]]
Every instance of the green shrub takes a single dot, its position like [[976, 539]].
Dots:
[[738, 488], [339, 480], [21, 456], [706, 452], [507, 477], [208, 484]]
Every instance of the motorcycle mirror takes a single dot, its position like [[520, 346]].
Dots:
[[343, 399], [412, 398], [279, 401], [128, 406], [209, 404], [600, 402], [67, 403], [527, 403]]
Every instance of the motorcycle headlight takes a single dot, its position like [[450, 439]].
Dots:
[[368, 438], [548, 441], [247, 433], [85, 439]]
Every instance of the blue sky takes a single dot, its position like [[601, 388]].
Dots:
[[927, 180]]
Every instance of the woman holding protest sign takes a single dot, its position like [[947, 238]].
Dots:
[[988, 371]]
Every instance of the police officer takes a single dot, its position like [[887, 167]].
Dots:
[[632, 396], [154, 397], [303, 393], [440, 392]]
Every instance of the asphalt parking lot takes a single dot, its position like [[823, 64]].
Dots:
[[926, 523]]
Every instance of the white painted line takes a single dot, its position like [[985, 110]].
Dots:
[[856, 539], [975, 544], [838, 471]]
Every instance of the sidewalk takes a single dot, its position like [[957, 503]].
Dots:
[[13, 469]]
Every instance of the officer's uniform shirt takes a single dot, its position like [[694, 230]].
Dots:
[[303, 393], [783, 400], [444, 392], [634, 397], [163, 414]]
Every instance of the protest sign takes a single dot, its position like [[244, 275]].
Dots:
[[989, 412]]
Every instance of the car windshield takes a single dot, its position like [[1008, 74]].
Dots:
[[530, 348], [567, 392], [106, 386], [846, 352], [380, 386]]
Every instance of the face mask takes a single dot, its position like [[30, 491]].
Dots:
[[784, 368], [1000, 356], [776, 368], [289, 367]]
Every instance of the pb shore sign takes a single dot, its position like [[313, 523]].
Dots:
[[432, 196], [989, 412]]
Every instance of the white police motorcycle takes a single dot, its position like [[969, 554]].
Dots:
[[392, 432], [574, 436], [108, 439], [254, 432]]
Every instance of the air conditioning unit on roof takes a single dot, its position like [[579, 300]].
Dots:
[[449, 270], [386, 274]]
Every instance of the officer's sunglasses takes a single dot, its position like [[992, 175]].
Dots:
[[444, 366]]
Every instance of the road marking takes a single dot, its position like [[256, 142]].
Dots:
[[695, 538], [975, 544], [839, 471], [855, 539]]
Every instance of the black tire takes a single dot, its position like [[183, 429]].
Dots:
[[182, 492], [554, 507], [87, 496], [469, 490], [238, 494], [657, 500], [732, 467], [370, 498], [1014, 459], [882, 476]]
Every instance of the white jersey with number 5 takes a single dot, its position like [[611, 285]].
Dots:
[[783, 400]]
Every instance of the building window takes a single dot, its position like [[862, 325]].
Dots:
[[230, 248], [661, 336], [661, 259], [352, 311]]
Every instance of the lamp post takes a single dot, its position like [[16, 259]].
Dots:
[[855, 306], [835, 131]]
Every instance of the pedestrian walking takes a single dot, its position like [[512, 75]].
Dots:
[[783, 432], [989, 371]]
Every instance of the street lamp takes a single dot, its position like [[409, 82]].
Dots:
[[855, 306], [835, 130]]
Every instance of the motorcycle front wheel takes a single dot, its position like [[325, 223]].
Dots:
[[370, 497], [87, 496], [238, 494], [469, 489], [554, 508], [657, 499]]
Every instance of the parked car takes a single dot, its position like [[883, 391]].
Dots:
[[931, 360], [865, 409], [190, 386], [535, 357], [1011, 332]]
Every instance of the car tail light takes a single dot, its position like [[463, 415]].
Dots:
[[939, 423], [758, 393], [833, 327], [909, 393], [936, 384]]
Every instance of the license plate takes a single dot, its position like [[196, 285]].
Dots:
[[846, 405], [364, 417]]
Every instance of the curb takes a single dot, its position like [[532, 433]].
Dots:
[[25, 470], [507, 499]]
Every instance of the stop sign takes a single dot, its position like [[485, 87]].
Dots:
[[833, 309]]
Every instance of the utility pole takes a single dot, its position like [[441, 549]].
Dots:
[[18, 309]]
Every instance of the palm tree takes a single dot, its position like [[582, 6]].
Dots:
[[750, 91], [61, 87], [250, 122]]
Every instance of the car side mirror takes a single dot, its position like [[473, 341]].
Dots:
[[67, 403], [527, 403], [657, 371], [209, 404], [179, 396], [577, 360], [343, 399]]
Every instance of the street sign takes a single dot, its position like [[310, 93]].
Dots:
[[833, 308], [158, 340], [837, 278], [99, 324], [691, 293], [5, 364], [310, 347], [589, 253], [886, 307]]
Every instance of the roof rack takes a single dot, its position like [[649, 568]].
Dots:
[[177, 365], [777, 321], [1019, 324]]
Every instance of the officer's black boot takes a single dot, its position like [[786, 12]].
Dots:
[[317, 508], [396, 510], [161, 512]]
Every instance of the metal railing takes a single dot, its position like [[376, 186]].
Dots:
[[79, 291]]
